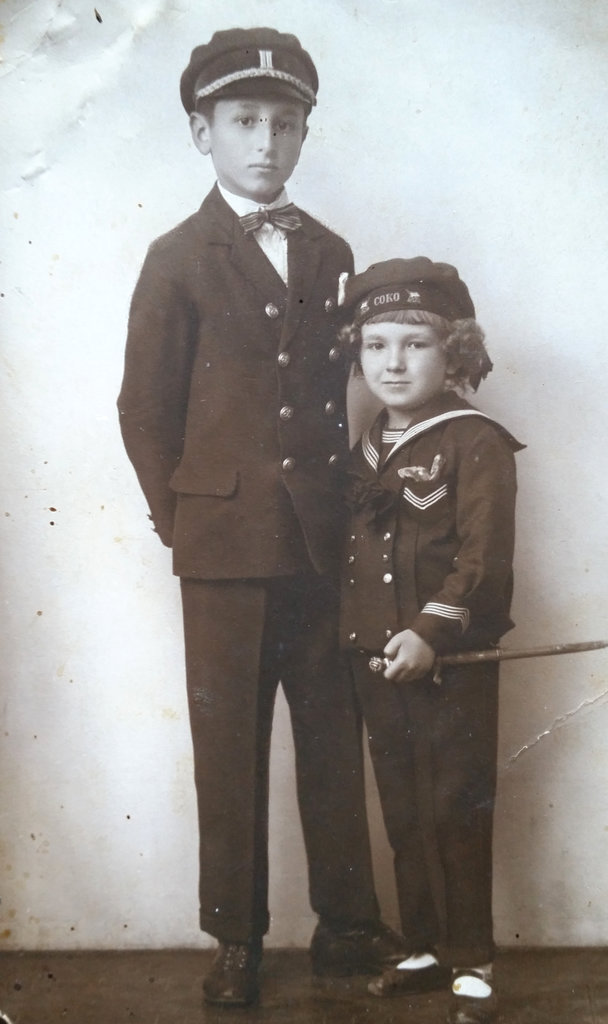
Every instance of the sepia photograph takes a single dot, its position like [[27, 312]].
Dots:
[[303, 549]]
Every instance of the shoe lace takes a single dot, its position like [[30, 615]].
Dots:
[[235, 956]]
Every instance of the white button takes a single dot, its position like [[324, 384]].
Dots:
[[387, 578], [329, 305], [388, 633], [330, 408], [351, 583], [286, 412], [333, 460], [387, 536], [351, 559], [352, 637], [289, 464], [334, 354], [352, 538], [271, 310], [385, 558], [284, 359]]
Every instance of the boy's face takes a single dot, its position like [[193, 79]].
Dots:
[[404, 366], [254, 143]]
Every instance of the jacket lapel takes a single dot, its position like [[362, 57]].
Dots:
[[244, 252], [304, 254], [303, 257], [249, 260]]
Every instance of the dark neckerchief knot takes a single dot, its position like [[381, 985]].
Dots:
[[285, 217], [369, 497]]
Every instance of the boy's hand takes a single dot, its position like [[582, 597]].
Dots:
[[411, 657]]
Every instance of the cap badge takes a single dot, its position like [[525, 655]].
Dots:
[[364, 307], [265, 58], [413, 298]]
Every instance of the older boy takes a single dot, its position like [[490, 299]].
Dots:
[[233, 414], [427, 569]]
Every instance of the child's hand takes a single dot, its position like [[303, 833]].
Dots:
[[411, 657]]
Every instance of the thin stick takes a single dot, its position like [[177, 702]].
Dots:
[[378, 664]]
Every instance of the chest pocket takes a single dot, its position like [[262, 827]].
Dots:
[[425, 492]]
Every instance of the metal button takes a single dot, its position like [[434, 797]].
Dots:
[[351, 559], [388, 577], [286, 412], [283, 359], [351, 583], [333, 460], [330, 408], [289, 464], [329, 305], [388, 633], [271, 310], [352, 637], [352, 538], [387, 536], [385, 558], [334, 354]]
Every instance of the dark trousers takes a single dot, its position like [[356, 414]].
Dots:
[[434, 754], [242, 638]]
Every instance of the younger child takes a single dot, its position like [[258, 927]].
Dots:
[[427, 570]]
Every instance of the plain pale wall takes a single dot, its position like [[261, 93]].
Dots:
[[472, 131]]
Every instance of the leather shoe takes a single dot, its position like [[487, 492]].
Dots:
[[465, 1009], [233, 978], [401, 983], [369, 949]]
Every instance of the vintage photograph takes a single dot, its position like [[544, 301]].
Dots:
[[305, 657]]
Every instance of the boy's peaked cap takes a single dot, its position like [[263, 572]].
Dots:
[[235, 58], [408, 284]]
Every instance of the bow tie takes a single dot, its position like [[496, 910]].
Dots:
[[285, 217]]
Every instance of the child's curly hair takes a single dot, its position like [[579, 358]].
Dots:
[[461, 340]]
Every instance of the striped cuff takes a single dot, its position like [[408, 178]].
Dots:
[[448, 611]]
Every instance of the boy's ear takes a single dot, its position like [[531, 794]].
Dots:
[[304, 134], [201, 136]]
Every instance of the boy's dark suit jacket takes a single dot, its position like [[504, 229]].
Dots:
[[233, 414], [233, 399]]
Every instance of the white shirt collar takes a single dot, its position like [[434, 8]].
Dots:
[[241, 205]]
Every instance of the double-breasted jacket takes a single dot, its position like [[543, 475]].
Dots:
[[233, 406], [430, 542]]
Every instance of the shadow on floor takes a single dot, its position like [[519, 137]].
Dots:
[[164, 987]]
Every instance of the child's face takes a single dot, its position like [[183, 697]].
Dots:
[[254, 143], [404, 366]]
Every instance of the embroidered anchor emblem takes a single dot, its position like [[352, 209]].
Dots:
[[422, 475]]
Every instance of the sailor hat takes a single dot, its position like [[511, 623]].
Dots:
[[237, 60], [408, 284]]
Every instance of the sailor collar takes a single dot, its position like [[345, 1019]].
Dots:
[[372, 438]]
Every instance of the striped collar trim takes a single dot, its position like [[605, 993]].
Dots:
[[372, 455], [390, 436]]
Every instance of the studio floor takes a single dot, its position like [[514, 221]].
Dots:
[[164, 987]]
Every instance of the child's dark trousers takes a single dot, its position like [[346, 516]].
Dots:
[[434, 754]]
